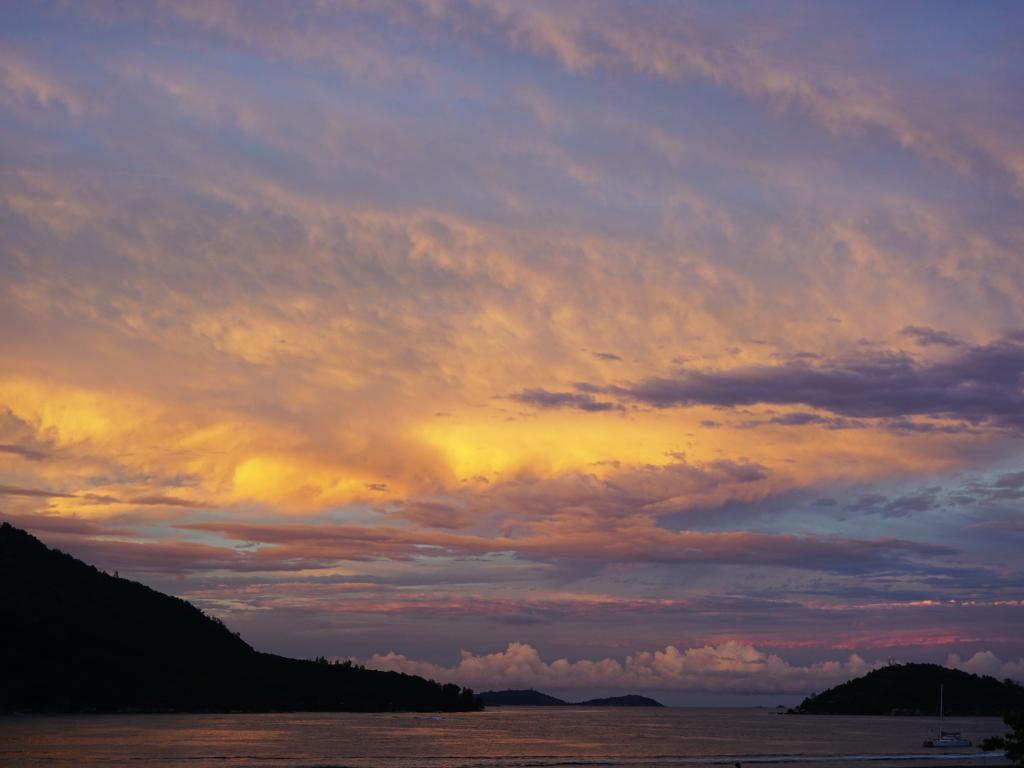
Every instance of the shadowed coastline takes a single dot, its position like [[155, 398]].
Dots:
[[532, 698], [80, 640], [912, 689]]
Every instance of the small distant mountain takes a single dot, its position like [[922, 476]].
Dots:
[[913, 689], [75, 639], [532, 698], [631, 700], [520, 698]]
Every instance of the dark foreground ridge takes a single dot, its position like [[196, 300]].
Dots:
[[913, 689], [532, 698], [77, 640]]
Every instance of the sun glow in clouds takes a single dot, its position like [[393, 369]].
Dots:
[[591, 328]]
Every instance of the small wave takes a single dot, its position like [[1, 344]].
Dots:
[[713, 760], [559, 761], [761, 759], [553, 761]]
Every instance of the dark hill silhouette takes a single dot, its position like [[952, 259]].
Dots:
[[520, 698], [630, 700], [532, 698], [913, 689], [76, 639]]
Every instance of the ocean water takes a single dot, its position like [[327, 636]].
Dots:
[[501, 737]]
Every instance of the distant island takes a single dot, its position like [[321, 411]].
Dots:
[[76, 639], [532, 698], [629, 700], [913, 689], [523, 698]]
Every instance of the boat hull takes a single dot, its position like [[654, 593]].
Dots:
[[944, 742]]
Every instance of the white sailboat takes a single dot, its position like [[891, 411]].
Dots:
[[946, 739]]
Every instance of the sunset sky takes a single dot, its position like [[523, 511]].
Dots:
[[599, 347]]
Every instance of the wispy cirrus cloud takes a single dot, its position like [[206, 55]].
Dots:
[[588, 301], [95, 498], [575, 538]]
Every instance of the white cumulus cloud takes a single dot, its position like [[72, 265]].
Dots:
[[728, 667], [987, 663]]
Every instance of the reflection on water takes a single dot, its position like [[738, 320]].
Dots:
[[505, 737]]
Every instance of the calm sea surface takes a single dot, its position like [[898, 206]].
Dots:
[[502, 737]]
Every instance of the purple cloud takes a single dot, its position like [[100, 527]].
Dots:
[[542, 398], [26, 453], [979, 385], [928, 337]]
